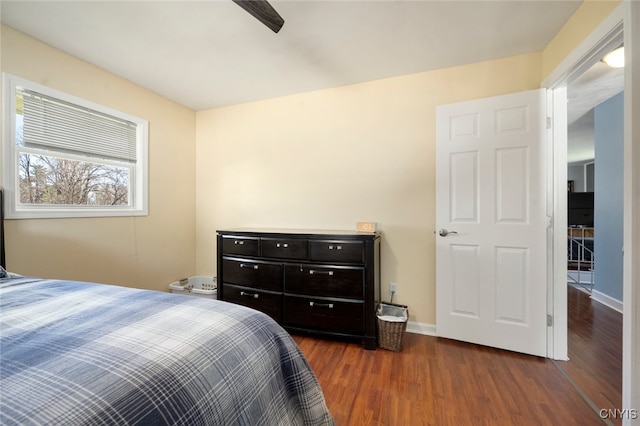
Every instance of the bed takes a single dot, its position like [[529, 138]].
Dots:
[[85, 353]]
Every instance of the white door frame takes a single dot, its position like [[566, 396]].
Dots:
[[604, 38], [556, 234], [622, 24]]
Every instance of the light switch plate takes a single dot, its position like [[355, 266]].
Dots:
[[366, 227]]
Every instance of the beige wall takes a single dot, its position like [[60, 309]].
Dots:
[[364, 152], [324, 160], [146, 252], [588, 16], [329, 158]]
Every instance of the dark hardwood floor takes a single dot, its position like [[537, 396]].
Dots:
[[595, 350], [435, 381]]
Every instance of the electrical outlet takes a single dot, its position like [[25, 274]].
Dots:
[[393, 289]]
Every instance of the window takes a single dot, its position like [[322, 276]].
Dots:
[[67, 157]]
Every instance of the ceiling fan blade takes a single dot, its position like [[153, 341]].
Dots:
[[263, 12]]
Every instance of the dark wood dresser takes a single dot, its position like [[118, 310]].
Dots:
[[321, 282]]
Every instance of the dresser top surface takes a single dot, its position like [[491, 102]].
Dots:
[[298, 232]]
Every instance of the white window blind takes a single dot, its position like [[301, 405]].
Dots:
[[52, 123]]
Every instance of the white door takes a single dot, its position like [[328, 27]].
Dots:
[[491, 280]]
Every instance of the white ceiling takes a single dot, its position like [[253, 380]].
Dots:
[[593, 87], [211, 53]]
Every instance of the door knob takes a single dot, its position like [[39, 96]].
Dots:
[[444, 232]]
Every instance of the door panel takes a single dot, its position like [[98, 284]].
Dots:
[[511, 182], [464, 259], [464, 187], [490, 198], [511, 284]]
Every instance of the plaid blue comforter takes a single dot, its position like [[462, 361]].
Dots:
[[74, 353]]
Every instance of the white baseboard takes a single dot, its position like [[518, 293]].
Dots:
[[421, 328], [430, 329], [605, 300]]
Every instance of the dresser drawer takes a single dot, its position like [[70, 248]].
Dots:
[[285, 248], [337, 251], [246, 246], [249, 273], [315, 280], [324, 283], [323, 314], [264, 301]]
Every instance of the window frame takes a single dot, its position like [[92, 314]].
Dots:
[[138, 181]]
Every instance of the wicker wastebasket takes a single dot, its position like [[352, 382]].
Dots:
[[196, 286], [392, 323]]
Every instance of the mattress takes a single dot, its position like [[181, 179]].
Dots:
[[84, 353]]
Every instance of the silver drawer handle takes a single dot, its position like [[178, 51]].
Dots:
[[244, 265], [283, 245], [321, 305], [335, 247], [238, 243], [254, 295], [312, 272]]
